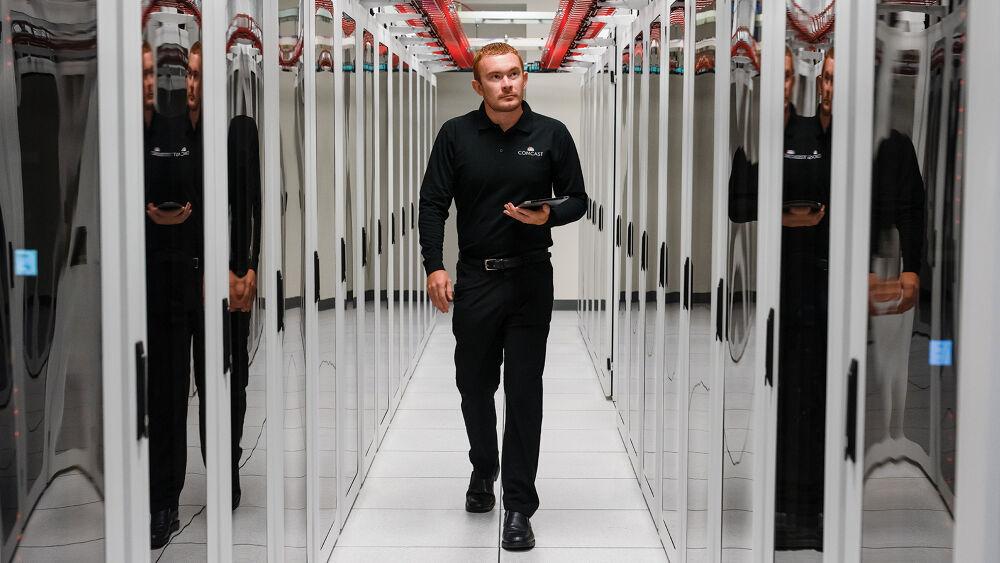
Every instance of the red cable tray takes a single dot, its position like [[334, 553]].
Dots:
[[571, 25], [442, 17]]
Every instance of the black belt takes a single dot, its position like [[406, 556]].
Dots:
[[495, 264]]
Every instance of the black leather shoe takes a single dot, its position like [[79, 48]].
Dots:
[[162, 523], [517, 534], [479, 498]]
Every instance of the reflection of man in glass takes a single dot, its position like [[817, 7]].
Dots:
[[244, 239], [174, 250], [804, 286], [897, 243]]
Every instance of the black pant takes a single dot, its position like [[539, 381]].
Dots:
[[239, 378], [170, 337], [802, 390], [503, 316], [173, 339]]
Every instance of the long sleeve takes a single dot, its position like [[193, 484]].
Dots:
[[244, 195], [567, 181], [898, 198], [435, 200], [910, 211], [256, 214], [742, 189]]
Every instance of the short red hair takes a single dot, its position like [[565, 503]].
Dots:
[[494, 50]]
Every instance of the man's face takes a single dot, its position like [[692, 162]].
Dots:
[[826, 87], [789, 79], [148, 80], [501, 82], [194, 82]]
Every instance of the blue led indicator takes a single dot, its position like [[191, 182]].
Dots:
[[940, 353], [26, 263]]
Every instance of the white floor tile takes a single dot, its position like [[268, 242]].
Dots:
[[594, 528], [586, 555], [419, 528], [421, 464], [585, 465], [578, 494], [425, 440], [432, 493], [414, 554], [576, 440]]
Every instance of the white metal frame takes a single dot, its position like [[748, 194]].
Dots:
[[310, 246], [347, 491], [850, 161], [271, 241], [768, 274], [720, 251], [979, 509], [217, 381], [123, 281]]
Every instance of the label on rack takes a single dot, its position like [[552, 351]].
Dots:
[[26, 263], [940, 353]]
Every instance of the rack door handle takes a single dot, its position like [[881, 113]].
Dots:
[[719, 307], [769, 351], [851, 449], [141, 392], [687, 283], [364, 247], [316, 277], [380, 237], [663, 264], [644, 247], [227, 345], [343, 260], [281, 301]]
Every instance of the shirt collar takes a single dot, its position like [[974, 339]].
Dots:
[[524, 124]]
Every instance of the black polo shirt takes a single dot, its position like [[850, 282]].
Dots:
[[482, 168]]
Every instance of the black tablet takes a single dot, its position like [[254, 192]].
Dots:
[[537, 203], [814, 206], [169, 206]]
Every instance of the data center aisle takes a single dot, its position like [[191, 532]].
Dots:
[[411, 507]]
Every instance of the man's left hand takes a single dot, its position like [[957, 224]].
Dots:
[[528, 216], [242, 291]]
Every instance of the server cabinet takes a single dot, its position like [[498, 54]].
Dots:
[[298, 177], [672, 426], [619, 359], [251, 326], [904, 285], [56, 357], [383, 329], [366, 206], [348, 226], [698, 298]]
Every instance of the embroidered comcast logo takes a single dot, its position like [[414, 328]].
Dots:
[[530, 151]]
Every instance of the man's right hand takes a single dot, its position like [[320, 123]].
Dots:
[[161, 217], [440, 289]]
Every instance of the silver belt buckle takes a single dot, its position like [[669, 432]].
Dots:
[[490, 264]]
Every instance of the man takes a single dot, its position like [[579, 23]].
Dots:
[[244, 254], [175, 312], [805, 250], [488, 161]]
